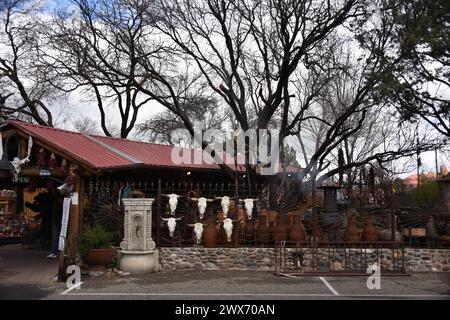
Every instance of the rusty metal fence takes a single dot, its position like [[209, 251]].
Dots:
[[338, 258]]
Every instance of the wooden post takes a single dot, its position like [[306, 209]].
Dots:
[[315, 224], [391, 205], [81, 204], [158, 215], [74, 224]]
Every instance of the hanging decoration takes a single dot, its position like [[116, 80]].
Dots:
[[17, 163], [42, 158], [52, 164]]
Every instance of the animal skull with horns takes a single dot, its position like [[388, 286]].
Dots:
[[228, 227], [17, 162], [198, 230], [225, 203], [202, 204], [171, 224], [173, 202], [249, 204]]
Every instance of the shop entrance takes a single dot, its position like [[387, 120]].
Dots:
[[30, 214]]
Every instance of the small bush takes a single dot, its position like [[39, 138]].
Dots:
[[94, 237]]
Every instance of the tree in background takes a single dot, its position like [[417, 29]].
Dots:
[[25, 92], [161, 127], [419, 83]]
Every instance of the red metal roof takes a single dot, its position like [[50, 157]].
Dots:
[[100, 152]]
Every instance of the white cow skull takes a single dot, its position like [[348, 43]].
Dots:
[[173, 202], [249, 203], [225, 203], [202, 204], [171, 224], [198, 230], [228, 227], [17, 163]]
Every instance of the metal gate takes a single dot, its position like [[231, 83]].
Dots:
[[338, 258]]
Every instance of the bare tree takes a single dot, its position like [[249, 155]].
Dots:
[[95, 52], [25, 92], [248, 50], [161, 127], [85, 125], [419, 83]]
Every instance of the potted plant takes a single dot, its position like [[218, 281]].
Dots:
[[95, 246]]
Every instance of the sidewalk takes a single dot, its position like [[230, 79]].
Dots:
[[20, 265]]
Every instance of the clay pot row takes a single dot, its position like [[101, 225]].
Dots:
[[354, 234], [280, 232]]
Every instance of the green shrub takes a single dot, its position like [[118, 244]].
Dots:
[[94, 237]]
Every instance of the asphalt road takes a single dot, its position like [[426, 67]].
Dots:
[[243, 285]]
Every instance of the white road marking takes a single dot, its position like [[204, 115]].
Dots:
[[329, 286], [259, 295], [71, 288]]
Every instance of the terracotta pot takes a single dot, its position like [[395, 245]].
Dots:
[[280, 231], [262, 231], [353, 233], [210, 234], [100, 257], [320, 234], [298, 231], [236, 236], [370, 233], [249, 231], [272, 216]]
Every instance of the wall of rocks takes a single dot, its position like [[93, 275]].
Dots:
[[263, 259]]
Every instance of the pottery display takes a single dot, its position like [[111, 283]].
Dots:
[[353, 233], [298, 231], [210, 234], [370, 232], [280, 232], [320, 234], [262, 230], [249, 231]]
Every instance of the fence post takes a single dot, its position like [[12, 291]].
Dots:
[[158, 215]]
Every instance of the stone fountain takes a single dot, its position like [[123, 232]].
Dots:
[[138, 254]]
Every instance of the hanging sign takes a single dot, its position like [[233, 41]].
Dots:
[[64, 223], [20, 179], [45, 173], [75, 199]]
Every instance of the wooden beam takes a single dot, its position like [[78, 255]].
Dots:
[[75, 220]]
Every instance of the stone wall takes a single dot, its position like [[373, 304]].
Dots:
[[263, 259]]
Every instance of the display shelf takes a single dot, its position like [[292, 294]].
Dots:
[[11, 224]]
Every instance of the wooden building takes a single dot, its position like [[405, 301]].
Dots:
[[89, 165]]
